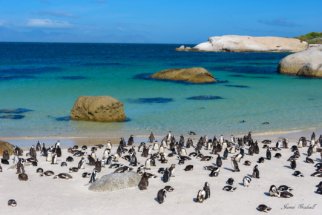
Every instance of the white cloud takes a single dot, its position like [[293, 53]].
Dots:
[[47, 23]]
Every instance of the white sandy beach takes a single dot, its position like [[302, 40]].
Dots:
[[45, 195]]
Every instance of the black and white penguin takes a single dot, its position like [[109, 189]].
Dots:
[[171, 170], [218, 161], [273, 191], [225, 155], [151, 137], [284, 188], [144, 182], [317, 174], [93, 176], [230, 181], [188, 168], [319, 190], [293, 164], [201, 196], [0, 168], [130, 140], [261, 160], [214, 172], [247, 163], [169, 188], [166, 176], [235, 165], [278, 155], [263, 208], [23, 177], [268, 154], [63, 176], [206, 188], [54, 159], [73, 169], [12, 203], [161, 195], [255, 172], [285, 194], [81, 163], [63, 164], [246, 181], [229, 188], [86, 174], [309, 160]]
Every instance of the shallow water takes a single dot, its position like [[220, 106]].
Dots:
[[47, 78]]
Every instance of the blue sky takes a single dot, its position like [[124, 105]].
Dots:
[[154, 21]]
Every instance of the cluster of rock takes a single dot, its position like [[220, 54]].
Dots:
[[305, 63], [98, 108], [5, 146], [116, 181], [195, 75], [237, 43]]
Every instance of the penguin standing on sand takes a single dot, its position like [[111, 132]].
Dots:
[[268, 154], [293, 163], [235, 165], [161, 195], [93, 176], [255, 172], [54, 159], [218, 161], [20, 167], [225, 154], [151, 137], [81, 163], [206, 188]]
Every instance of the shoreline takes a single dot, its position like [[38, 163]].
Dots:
[[67, 141]]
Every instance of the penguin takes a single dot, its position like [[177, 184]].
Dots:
[[81, 163], [133, 160], [63, 176], [225, 155], [206, 188], [54, 159], [49, 156], [263, 208], [3, 161], [166, 176], [235, 165], [155, 146], [268, 154], [273, 191], [310, 151], [284, 188], [285, 194], [309, 160], [246, 181], [319, 190], [69, 159], [86, 174], [23, 177], [230, 181], [0, 168], [261, 160], [151, 137], [5, 155], [12, 203], [293, 164], [255, 172], [317, 174], [39, 170], [171, 170], [161, 196], [49, 173], [130, 141], [169, 188], [238, 157], [218, 161], [63, 164], [144, 182], [73, 169], [58, 150], [148, 164], [20, 167], [247, 163], [278, 155], [200, 196], [93, 176], [109, 145], [214, 172], [188, 168], [229, 188]]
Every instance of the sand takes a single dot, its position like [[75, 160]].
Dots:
[[45, 195]]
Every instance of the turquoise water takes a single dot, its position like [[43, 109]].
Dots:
[[47, 78]]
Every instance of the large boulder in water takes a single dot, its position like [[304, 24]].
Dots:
[[116, 181], [98, 108], [196, 75], [237, 43], [306, 63], [6, 146]]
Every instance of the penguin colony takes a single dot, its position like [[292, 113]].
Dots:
[[175, 154]]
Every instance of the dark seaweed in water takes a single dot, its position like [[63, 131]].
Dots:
[[205, 97], [237, 86], [76, 77], [151, 100], [15, 77], [15, 111], [12, 116], [62, 118]]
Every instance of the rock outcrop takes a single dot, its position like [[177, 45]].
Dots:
[[196, 75], [306, 63], [98, 108], [116, 181], [6, 146], [236, 43]]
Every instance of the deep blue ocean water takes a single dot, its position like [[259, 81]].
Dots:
[[39, 83]]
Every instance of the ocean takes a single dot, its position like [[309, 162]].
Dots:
[[39, 83]]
